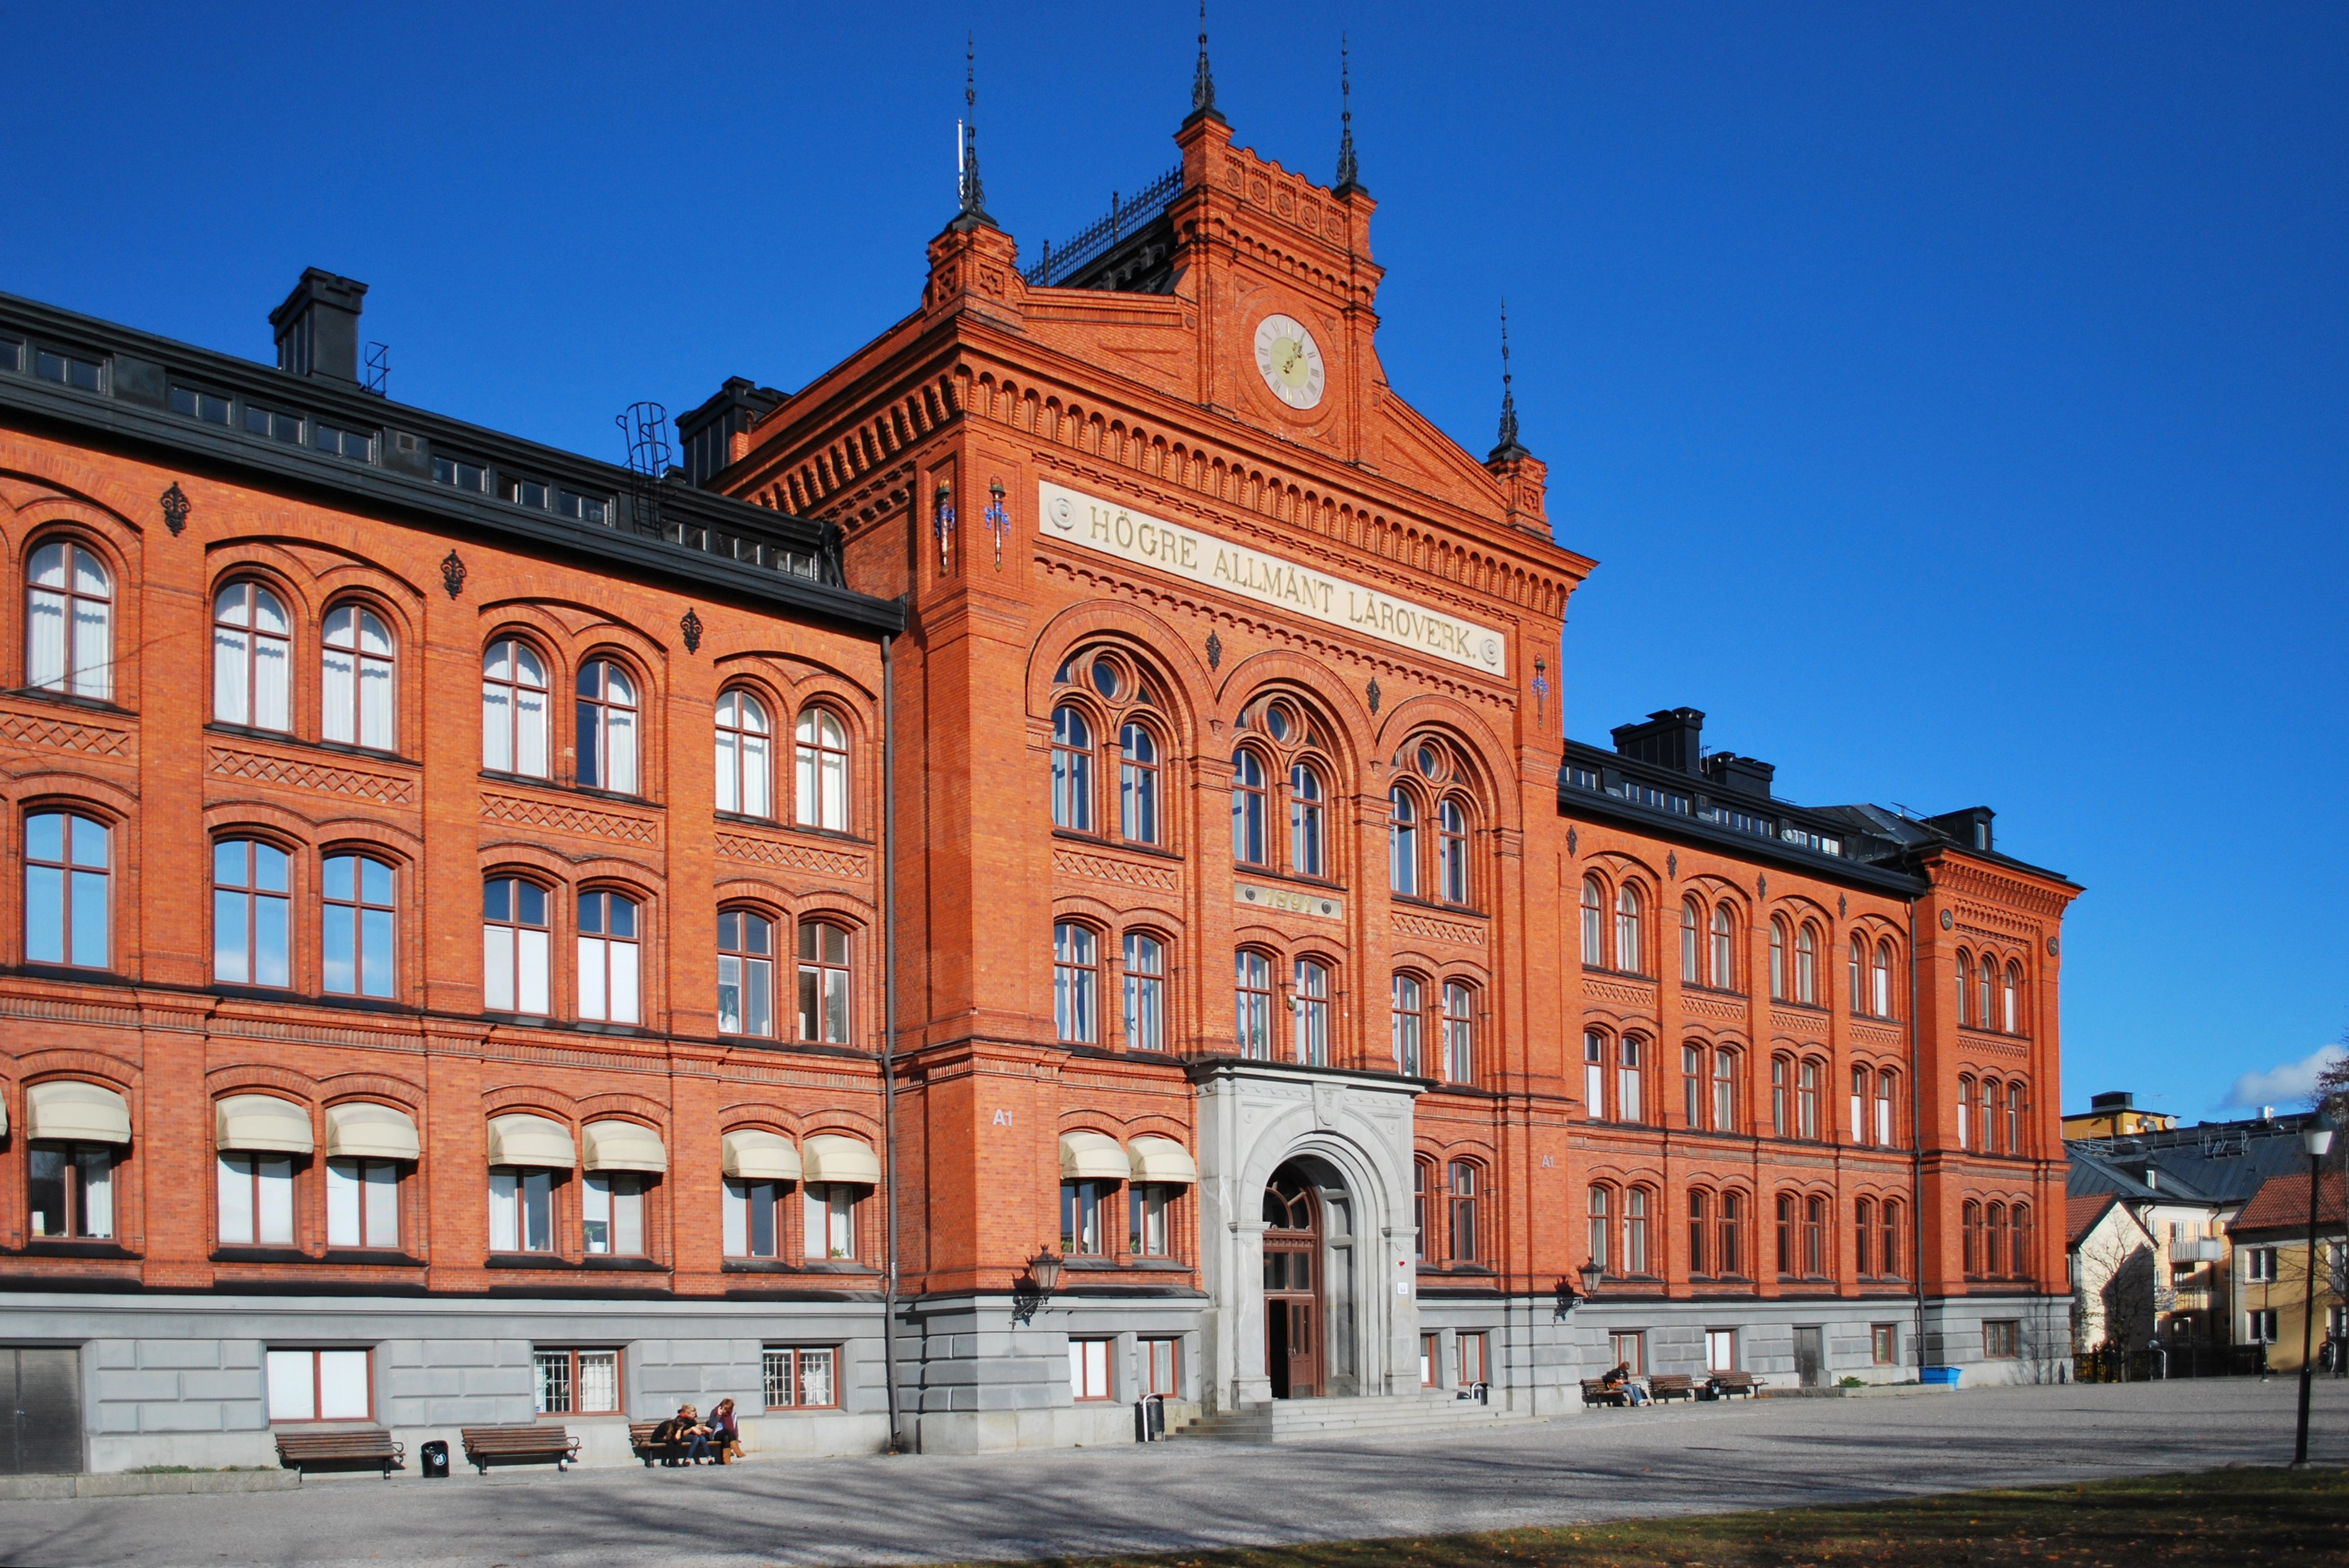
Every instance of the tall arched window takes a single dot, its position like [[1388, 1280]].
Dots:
[[746, 973], [1787, 1211], [1402, 843], [1422, 1179], [1986, 985], [1629, 1069], [1971, 1237], [608, 728], [1406, 1012], [1692, 1085], [1076, 973], [1965, 1110], [516, 946], [1629, 950], [1990, 1103], [1806, 1100], [1889, 1248], [1965, 987], [2014, 1117], [1459, 1032], [822, 775], [1594, 1075], [354, 679], [1724, 948], [1779, 1090], [825, 982], [2009, 1000], [1451, 851], [1806, 964], [1248, 808], [1880, 993], [1137, 785], [68, 621], [1814, 1238], [1464, 1211], [514, 709], [745, 761], [252, 913], [1860, 1080], [1994, 1240], [1730, 1256], [1691, 943], [253, 658], [1072, 772], [359, 928], [2019, 1224], [1725, 1091], [1863, 1237], [1252, 996], [1700, 1231], [1305, 825], [1146, 993], [1594, 928], [1635, 1231], [1884, 1117], [1777, 959], [1602, 1219], [609, 958], [1313, 1004], [68, 902], [1857, 979]]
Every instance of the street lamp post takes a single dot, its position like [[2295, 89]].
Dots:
[[2316, 1136]]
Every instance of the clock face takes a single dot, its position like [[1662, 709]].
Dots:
[[1289, 361]]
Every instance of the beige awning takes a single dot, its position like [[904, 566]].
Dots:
[[751, 1155], [624, 1146], [263, 1121], [1163, 1160], [1091, 1155], [831, 1157], [362, 1131], [530, 1143], [87, 1112]]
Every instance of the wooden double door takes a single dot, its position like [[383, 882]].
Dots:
[[1293, 1302]]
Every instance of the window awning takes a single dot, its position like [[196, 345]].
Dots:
[[531, 1143], [363, 1131], [1163, 1160], [263, 1121], [831, 1157], [624, 1146], [88, 1112], [1091, 1155], [750, 1155]]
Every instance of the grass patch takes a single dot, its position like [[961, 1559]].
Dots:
[[2236, 1516]]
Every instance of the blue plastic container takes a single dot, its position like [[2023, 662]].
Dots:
[[1949, 1375]]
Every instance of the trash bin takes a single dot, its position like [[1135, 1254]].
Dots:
[[434, 1457]]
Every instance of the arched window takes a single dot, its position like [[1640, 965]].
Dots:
[[1629, 1066], [252, 913], [1691, 943], [825, 982], [1860, 1080], [1787, 1210], [514, 709], [1146, 993], [744, 760], [1807, 1102], [1699, 1231], [1464, 1211], [1692, 1086], [1881, 995], [354, 679], [1814, 1238], [1724, 948], [1451, 851], [68, 621], [1989, 1102], [1725, 1091], [1402, 843], [516, 946], [1252, 987], [1986, 978], [1965, 1110], [1137, 785], [609, 958], [1603, 1212], [1994, 1240], [1406, 1010], [1422, 1179], [2019, 1226], [2009, 1000], [1971, 1234], [1459, 1032], [746, 973], [1594, 1076], [1857, 978], [1965, 987], [1730, 1256], [1312, 1005], [2014, 1117], [1889, 1248], [1594, 929], [1885, 1118], [608, 728], [359, 928], [252, 657], [1863, 1237], [1247, 808], [1635, 1231], [1072, 772], [1305, 834], [1629, 951], [1076, 970], [1806, 964], [1779, 1089], [67, 913], [1777, 959], [822, 781]]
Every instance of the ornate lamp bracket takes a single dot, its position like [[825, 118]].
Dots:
[[998, 522]]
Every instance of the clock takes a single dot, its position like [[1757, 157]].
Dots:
[[1289, 361]]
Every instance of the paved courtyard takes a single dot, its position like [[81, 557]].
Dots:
[[1177, 1496]]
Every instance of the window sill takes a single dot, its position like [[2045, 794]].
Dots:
[[757, 1266], [1106, 841], [600, 1262], [777, 825], [64, 1247], [67, 699], [615, 796], [71, 976], [1273, 873], [357, 753], [529, 1261], [1421, 904], [372, 1257], [1722, 991], [235, 1254], [1619, 974], [1125, 1265], [838, 1266]]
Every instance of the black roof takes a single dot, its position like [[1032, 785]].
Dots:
[[690, 537], [2216, 1163]]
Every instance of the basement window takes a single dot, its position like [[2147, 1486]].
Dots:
[[460, 473], [209, 407]]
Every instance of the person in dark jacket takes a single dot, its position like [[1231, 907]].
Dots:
[[725, 1432]]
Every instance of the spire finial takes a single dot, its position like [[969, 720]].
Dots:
[[974, 196], [1348, 171], [1510, 447], [1203, 82]]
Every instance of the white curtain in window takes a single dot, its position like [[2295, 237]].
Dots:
[[620, 732]]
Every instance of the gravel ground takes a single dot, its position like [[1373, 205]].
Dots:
[[1177, 1496]]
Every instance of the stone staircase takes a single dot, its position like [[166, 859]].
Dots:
[[1369, 1418]]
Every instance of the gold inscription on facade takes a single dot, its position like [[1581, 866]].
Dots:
[[1289, 900]]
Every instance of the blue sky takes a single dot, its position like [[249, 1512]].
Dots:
[[1953, 397]]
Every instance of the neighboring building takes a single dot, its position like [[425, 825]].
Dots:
[[2115, 1273], [1262, 955], [2271, 1267], [2116, 1115]]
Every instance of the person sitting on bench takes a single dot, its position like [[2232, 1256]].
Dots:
[[1621, 1379]]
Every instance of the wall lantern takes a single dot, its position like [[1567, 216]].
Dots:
[[1032, 1289]]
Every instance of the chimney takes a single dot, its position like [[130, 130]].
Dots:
[[1744, 775], [318, 327], [2112, 1099], [1669, 738]]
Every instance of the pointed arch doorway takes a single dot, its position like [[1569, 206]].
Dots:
[[1294, 1271]]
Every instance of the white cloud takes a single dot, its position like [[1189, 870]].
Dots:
[[2288, 1083]]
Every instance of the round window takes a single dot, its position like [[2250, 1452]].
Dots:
[[1105, 677], [1279, 722], [1431, 761]]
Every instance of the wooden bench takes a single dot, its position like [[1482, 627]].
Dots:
[[641, 1443], [1727, 1382], [353, 1446], [1598, 1391], [1668, 1386], [523, 1442]]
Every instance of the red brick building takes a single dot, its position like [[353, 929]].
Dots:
[[1263, 958]]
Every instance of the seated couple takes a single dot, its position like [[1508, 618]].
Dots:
[[685, 1439]]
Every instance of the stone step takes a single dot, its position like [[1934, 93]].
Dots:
[[1309, 1420]]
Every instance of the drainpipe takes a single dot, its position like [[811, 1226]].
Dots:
[[889, 1029], [1916, 1143]]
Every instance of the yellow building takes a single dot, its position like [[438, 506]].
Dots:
[[2272, 1269], [2116, 1115]]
